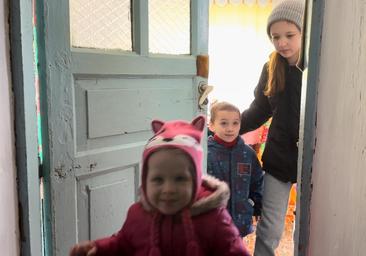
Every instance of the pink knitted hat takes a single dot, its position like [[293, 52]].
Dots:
[[186, 137], [181, 135]]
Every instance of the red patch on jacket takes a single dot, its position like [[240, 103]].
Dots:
[[243, 168]]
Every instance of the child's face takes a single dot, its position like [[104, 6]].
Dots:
[[226, 125], [286, 39], [169, 182]]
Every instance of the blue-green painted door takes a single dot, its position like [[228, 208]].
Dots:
[[101, 100]]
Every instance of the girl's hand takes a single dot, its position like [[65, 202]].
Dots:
[[87, 248]]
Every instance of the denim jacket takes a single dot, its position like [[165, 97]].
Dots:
[[240, 168]]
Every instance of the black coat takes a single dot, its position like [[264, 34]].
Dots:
[[280, 154]]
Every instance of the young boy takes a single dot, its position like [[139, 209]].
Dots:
[[231, 160], [161, 224]]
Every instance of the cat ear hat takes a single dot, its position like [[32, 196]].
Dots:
[[186, 137], [178, 134]]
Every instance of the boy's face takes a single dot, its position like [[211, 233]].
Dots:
[[226, 125], [169, 182]]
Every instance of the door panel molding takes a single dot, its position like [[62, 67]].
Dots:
[[91, 62]]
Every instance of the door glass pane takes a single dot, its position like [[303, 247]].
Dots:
[[101, 24], [169, 26]]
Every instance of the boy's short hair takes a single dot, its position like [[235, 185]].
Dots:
[[221, 106]]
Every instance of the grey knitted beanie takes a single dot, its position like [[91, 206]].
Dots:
[[289, 10]]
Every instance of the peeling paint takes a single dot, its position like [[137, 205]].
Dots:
[[63, 60], [92, 166], [60, 173], [77, 166]]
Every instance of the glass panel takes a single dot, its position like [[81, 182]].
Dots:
[[169, 26], [101, 24]]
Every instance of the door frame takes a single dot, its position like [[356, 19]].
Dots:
[[313, 25], [22, 70], [26, 144]]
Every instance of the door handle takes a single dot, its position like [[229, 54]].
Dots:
[[203, 90]]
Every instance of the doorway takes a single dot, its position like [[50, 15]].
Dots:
[[28, 181]]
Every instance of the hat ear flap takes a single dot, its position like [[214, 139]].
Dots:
[[156, 125], [199, 122]]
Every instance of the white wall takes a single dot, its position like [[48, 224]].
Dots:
[[238, 48], [338, 205], [9, 233]]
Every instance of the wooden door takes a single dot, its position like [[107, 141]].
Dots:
[[111, 67]]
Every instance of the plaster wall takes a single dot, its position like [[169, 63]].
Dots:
[[338, 204], [9, 233]]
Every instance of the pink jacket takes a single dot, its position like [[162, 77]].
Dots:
[[213, 232]]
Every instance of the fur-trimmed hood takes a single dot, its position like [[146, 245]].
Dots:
[[186, 137]]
